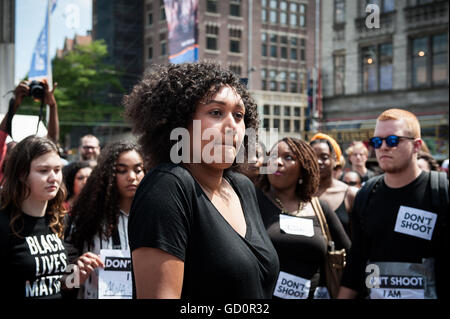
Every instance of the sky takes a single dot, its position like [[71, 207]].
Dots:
[[30, 18]]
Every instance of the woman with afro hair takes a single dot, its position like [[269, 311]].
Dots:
[[293, 220], [195, 222], [100, 215]]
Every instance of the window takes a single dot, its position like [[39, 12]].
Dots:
[[287, 125], [302, 55], [429, 60], [440, 67], [384, 5], [163, 48], [236, 69], [150, 53], [266, 123], [283, 52], [235, 8], [296, 111], [211, 6], [273, 16], [385, 67], [339, 74], [339, 11], [296, 126], [276, 110], [273, 51], [377, 68], [293, 54], [264, 15], [162, 13], [266, 109], [276, 124], [287, 111], [273, 85], [283, 12], [235, 40], [283, 86], [212, 33], [264, 45], [150, 18]]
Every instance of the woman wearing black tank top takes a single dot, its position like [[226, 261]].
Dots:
[[338, 195]]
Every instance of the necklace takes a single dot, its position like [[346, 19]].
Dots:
[[301, 205]]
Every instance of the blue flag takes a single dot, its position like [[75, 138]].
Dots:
[[39, 66]]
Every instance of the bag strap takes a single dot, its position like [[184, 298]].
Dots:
[[322, 220], [439, 189]]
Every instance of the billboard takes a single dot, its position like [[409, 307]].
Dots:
[[182, 26]]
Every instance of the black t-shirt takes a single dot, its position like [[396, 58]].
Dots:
[[34, 263], [171, 212], [301, 253], [396, 227]]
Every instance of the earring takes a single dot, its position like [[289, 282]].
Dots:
[[300, 181]]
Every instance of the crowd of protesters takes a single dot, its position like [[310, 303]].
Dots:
[[190, 223]]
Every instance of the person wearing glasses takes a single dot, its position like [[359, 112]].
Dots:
[[89, 148], [357, 155], [399, 230], [352, 178]]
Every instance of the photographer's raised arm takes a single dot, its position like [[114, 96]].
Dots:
[[53, 122]]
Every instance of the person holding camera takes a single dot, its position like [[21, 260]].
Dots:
[[41, 91]]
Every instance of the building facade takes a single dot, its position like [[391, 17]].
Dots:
[[401, 63], [7, 23], [269, 42], [119, 23]]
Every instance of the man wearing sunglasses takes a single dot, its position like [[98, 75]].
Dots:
[[399, 229]]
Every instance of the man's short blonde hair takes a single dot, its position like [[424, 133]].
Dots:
[[397, 114], [358, 145]]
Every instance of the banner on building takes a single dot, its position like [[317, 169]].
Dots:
[[182, 26], [39, 62]]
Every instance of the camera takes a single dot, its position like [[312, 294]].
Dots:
[[36, 90]]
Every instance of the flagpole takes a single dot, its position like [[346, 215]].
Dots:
[[49, 64]]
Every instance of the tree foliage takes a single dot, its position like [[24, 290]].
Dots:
[[86, 84]]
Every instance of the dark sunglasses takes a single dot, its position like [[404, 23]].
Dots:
[[351, 183], [391, 140]]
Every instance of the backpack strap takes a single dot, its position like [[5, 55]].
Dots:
[[363, 196], [439, 189]]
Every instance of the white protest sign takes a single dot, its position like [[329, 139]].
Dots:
[[415, 222], [115, 281], [291, 287], [399, 287], [296, 225]]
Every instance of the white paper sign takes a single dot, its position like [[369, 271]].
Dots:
[[399, 287], [296, 225], [415, 222], [115, 281], [291, 287]]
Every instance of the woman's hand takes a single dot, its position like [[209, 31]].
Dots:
[[86, 263]]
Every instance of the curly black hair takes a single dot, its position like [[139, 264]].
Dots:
[[96, 210], [309, 169], [167, 97], [69, 172]]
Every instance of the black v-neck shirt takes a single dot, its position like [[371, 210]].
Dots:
[[171, 212]]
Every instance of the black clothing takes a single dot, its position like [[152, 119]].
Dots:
[[33, 264], [301, 255], [369, 174], [171, 212], [394, 229], [343, 215]]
